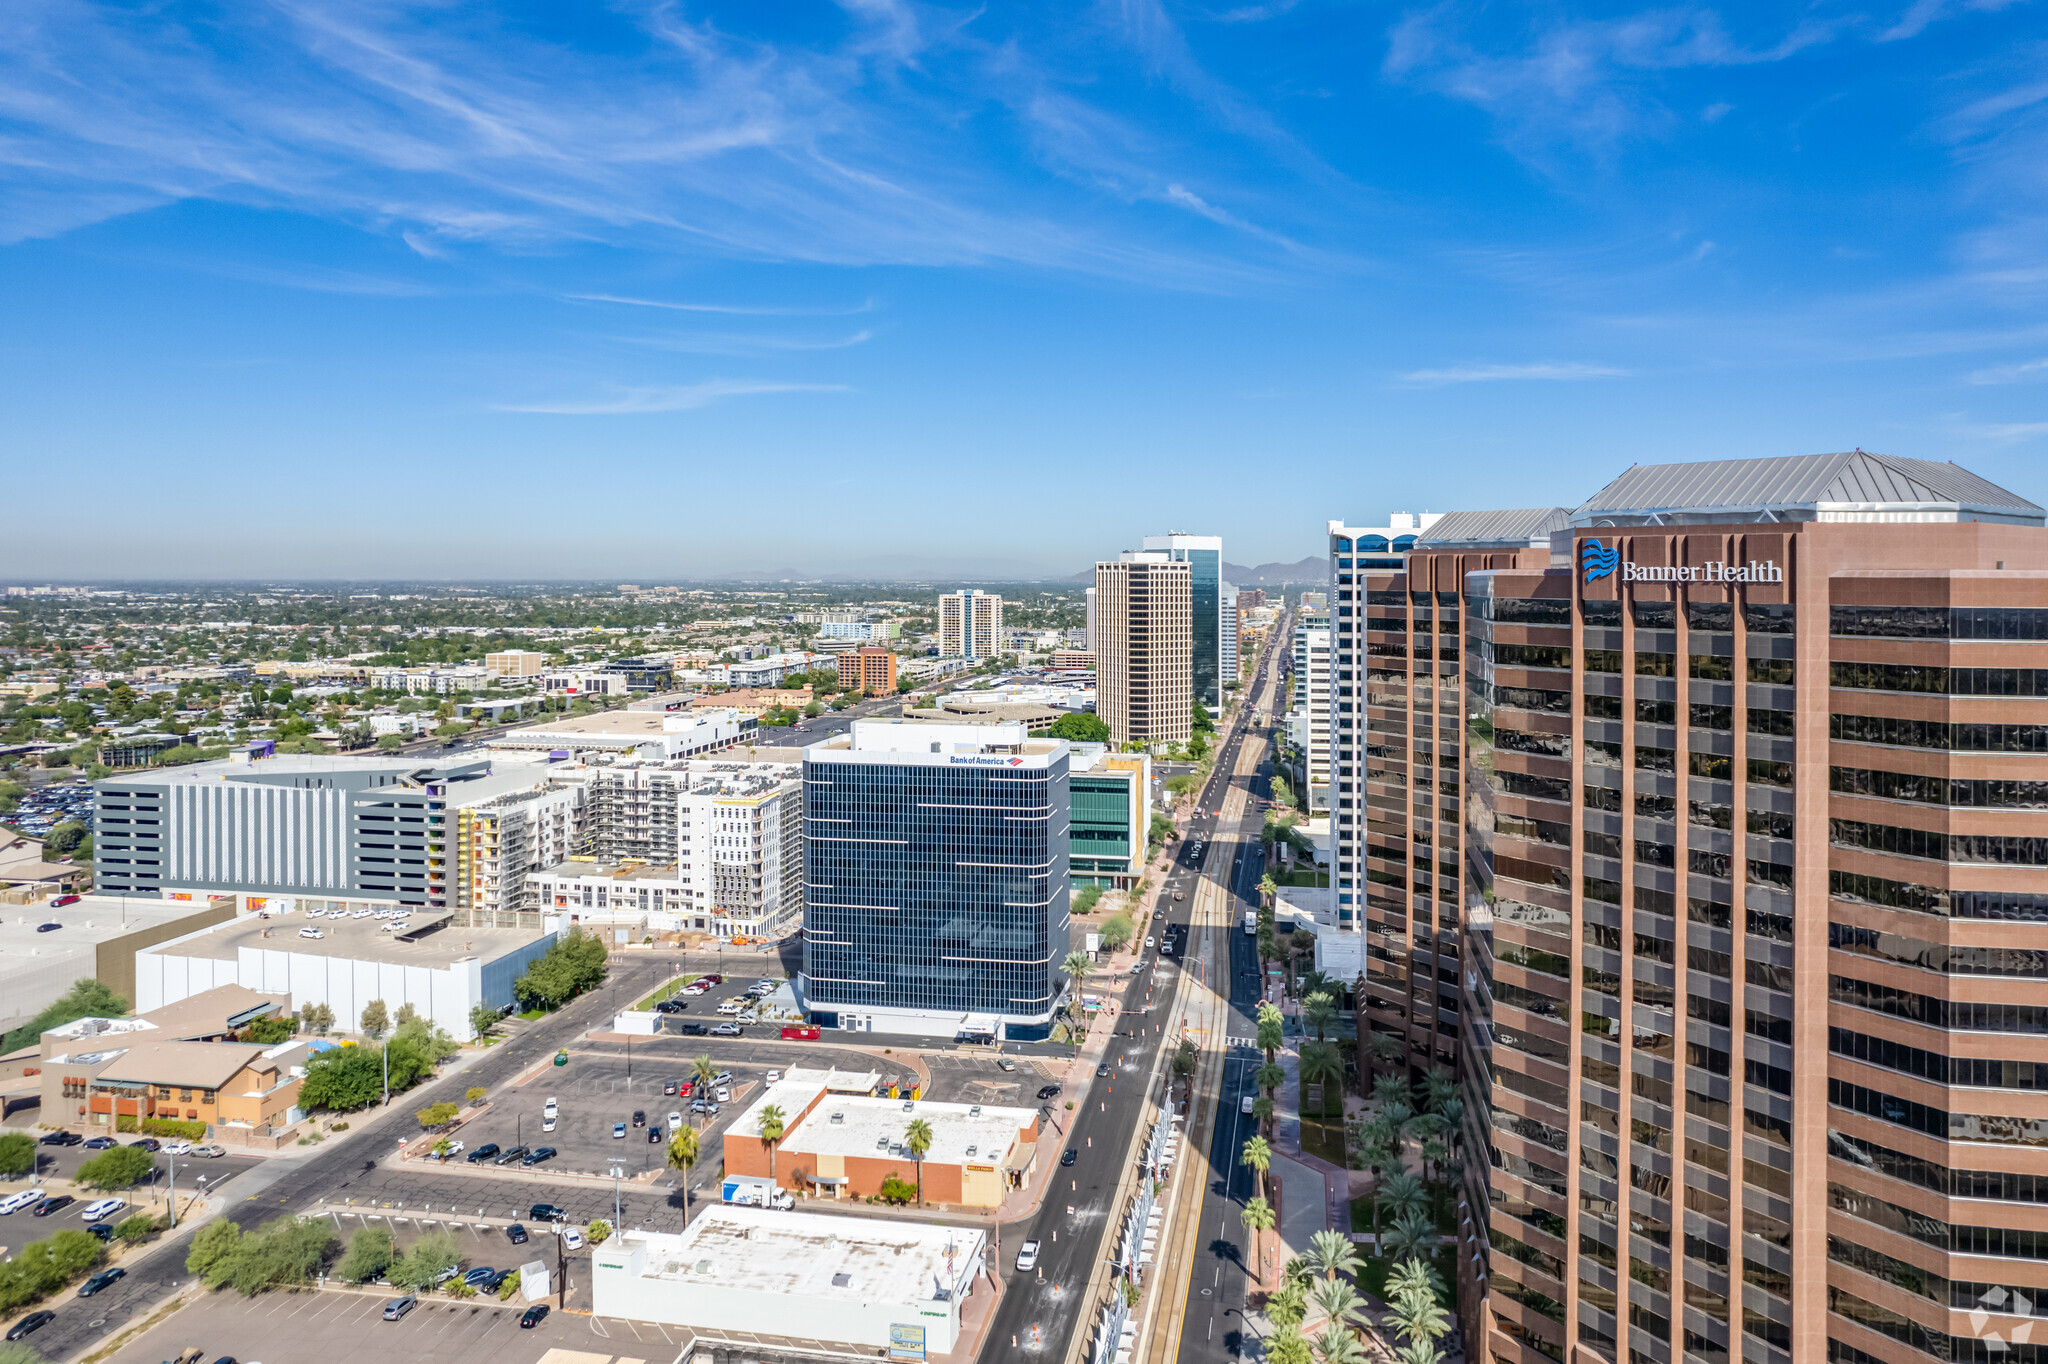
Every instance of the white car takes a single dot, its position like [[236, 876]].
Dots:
[[177, 1147], [311, 933], [1148, 940], [382, 914], [16, 1202], [550, 1108], [455, 1148], [103, 1209], [1027, 1257], [316, 913], [388, 927], [572, 1239], [547, 1124], [675, 1120], [364, 913], [774, 1077]]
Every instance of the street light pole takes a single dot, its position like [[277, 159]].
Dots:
[[174, 1189], [618, 1213]]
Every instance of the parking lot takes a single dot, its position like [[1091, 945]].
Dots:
[[701, 1010], [53, 1162], [299, 1328]]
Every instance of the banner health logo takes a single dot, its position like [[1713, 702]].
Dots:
[[1598, 560]]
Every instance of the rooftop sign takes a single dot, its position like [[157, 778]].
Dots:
[[1599, 561]]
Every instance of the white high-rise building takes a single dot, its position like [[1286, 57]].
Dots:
[[1353, 551], [970, 624], [1143, 691], [1227, 646], [1308, 722]]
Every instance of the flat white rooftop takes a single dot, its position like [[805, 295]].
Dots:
[[811, 1255], [857, 1124], [357, 939]]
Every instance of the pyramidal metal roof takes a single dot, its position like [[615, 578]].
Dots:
[[1851, 486], [1519, 527]]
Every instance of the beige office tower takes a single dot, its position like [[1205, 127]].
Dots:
[[1144, 625], [970, 624]]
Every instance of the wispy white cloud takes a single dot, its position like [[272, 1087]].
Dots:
[[739, 344], [624, 400], [1483, 374], [735, 309], [2026, 371]]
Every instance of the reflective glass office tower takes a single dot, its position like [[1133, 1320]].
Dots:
[[1203, 554], [936, 863]]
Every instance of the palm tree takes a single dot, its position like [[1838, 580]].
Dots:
[[1267, 888], [1262, 1109], [1335, 1345], [1392, 1089], [702, 1071], [1387, 1049], [1259, 1156], [682, 1154], [1338, 1301], [1286, 1308], [1419, 1352], [1438, 1088], [1289, 1346], [1331, 1253], [1412, 1236], [1322, 1064], [1269, 1077], [771, 1132], [1414, 1276], [1401, 1194], [917, 1139], [1258, 1219], [1320, 1011], [1379, 1145], [1419, 1318], [1076, 968]]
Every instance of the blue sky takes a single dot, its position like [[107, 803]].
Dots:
[[459, 290]]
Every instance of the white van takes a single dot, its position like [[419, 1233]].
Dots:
[[16, 1202], [1245, 1106], [103, 1209]]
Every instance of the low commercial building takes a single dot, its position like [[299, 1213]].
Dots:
[[862, 1285], [97, 940], [868, 669], [757, 701], [441, 970], [631, 733], [838, 1145], [1071, 658], [516, 663], [1111, 815], [174, 1062]]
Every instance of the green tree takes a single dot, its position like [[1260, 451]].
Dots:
[[474, 1095], [1412, 1236], [376, 1018], [370, 1253], [1080, 727], [572, 964], [1076, 968], [1286, 1308], [1330, 1254], [772, 1128], [117, 1167], [343, 1079], [682, 1149], [433, 1115], [1200, 721], [1337, 1345], [1337, 1300], [133, 1231], [702, 1070], [428, 1039], [1259, 1156], [1117, 933], [1322, 1064], [389, 743], [17, 1154], [271, 1031], [214, 1247], [917, 1139], [425, 1261], [86, 998], [406, 1014], [1319, 1011], [1084, 899], [1258, 1220], [482, 1019]]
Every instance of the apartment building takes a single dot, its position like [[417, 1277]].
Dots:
[[1308, 721], [732, 831], [1203, 554], [868, 670], [516, 663], [1227, 633], [936, 871], [499, 840], [1754, 943], [1143, 659], [970, 624]]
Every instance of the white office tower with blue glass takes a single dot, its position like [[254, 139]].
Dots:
[[936, 880], [1203, 554]]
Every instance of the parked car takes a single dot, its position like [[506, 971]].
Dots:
[[148, 1144], [1027, 1257], [62, 1139], [703, 1106], [675, 1119], [48, 928], [516, 1234], [668, 1087], [177, 1147], [654, 1135], [546, 1212], [772, 1077], [728, 1030], [693, 1030], [724, 1077], [454, 1150], [550, 1108], [1048, 1091], [533, 1316], [100, 1143], [101, 1210], [103, 1232], [54, 1203], [481, 1275], [106, 1278], [547, 1124], [30, 1324], [209, 1151], [1101, 1071], [506, 1157], [639, 1117], [572, 1239], [396, 1309], [538, 1154], [1005, 1063], [15, 1202], [618, 1131], [483, 1153]]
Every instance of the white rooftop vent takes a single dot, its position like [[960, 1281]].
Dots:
[[839, 1117], [909, 1104]]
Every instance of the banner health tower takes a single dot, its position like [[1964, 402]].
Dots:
[[1754, 1040], [936, 869]]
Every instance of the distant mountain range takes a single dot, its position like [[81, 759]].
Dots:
[[1313, 569]]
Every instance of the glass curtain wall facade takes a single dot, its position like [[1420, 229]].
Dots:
[[937, 882], [1203, 554]]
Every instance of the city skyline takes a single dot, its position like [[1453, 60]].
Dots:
[[804, 278]]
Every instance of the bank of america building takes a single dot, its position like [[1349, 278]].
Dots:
[[936, 880]]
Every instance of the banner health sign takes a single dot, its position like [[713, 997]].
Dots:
[[1599, 561]]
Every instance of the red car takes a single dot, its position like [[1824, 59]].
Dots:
[[63, 900], [794, 1032]]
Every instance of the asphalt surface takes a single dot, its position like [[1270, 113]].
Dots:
[[1042, 1310], [285, 1185]]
